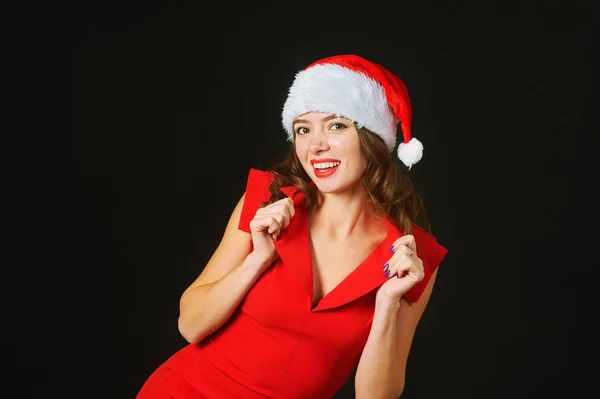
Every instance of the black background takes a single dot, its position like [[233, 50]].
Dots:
[[139, 122]]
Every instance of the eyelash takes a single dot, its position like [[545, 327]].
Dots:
[[341, 127]]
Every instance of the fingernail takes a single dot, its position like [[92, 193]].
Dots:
[[277, 238], [392, 249], [387, 266], [387, 274]]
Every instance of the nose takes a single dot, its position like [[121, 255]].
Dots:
[[318, 143]]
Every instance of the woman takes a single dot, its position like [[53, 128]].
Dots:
[[322, 268]]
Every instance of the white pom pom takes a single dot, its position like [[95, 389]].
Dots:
[[411, 152]]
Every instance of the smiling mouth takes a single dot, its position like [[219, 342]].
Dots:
[[324, 166]]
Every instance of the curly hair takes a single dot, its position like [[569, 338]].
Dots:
[[390, 190]]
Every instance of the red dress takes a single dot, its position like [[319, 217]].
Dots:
[[276, 346]]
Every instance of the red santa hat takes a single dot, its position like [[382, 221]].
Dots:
[[360, 90]]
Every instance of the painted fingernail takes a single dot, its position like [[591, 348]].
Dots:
[[392, 249], [387, 266], [387, 274], [277, 238]]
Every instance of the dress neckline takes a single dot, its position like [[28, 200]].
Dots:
[[306, 246], [294, 248]]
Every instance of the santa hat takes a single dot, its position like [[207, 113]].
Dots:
[[360, 90]]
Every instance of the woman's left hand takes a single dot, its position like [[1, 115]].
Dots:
[[403, 270]]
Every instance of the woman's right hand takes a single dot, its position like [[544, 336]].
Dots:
[[266, 226]]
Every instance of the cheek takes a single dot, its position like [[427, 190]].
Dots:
[[341, 146], [348, 149], [302, 154], [301, 150]]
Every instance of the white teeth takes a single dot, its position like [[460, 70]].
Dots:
[[326, 165]]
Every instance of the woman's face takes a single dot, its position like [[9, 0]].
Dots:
[[329, 149]]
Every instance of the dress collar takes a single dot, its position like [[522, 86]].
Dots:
[[293, 247]]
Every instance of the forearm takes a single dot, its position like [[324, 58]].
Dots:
[[379, 376], [207, 307]]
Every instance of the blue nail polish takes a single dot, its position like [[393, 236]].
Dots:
[[387, 266], [392, 249], [387, 274]]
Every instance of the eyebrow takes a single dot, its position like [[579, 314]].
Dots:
[[327, 118]]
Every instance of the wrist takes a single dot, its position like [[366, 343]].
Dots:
[[256, 261], [386, 311], [385, 302]]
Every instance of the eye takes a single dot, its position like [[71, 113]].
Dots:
[[301, 130], [337, 126]]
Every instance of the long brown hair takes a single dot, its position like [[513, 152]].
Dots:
[[390, 190]]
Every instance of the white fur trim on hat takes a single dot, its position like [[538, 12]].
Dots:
[[410, 153], [341, 91]]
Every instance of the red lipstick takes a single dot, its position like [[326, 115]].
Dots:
[[327, 171]]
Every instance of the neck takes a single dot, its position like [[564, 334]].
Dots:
[[339, 216]]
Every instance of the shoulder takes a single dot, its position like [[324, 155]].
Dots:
[[432, 253], [257, 184], [426, 241], [259, 176], [256, 192]]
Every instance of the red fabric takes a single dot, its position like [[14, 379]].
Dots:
[[165, 384], [257, 190], [276, 346]]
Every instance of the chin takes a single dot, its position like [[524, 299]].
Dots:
[[333, 187]]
